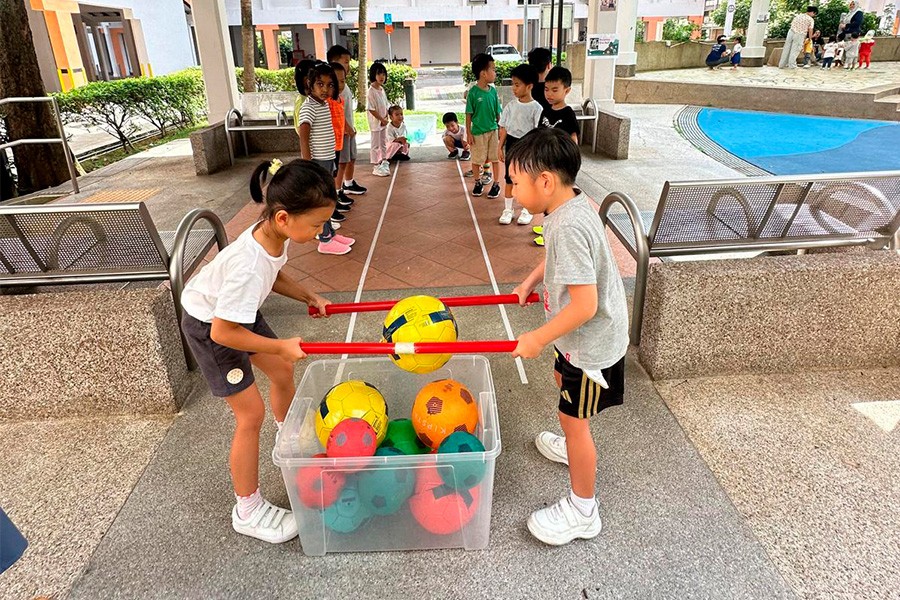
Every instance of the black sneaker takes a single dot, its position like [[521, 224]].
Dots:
[[479, 188], [402, 157], [342, 208], [337, 216], [495, 191], [453, 155], [345, 199], [465, 155], [353, 188]]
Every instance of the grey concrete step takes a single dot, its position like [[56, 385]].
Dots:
[[892, 99]]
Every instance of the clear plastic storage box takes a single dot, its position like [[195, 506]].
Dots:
[[298, 444]]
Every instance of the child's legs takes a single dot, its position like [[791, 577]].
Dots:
[[479, 150], [449, 143], [392, 149], [281, 375], [348, 170], [377, 152], [249, 412], [582, 454], [341, 173]]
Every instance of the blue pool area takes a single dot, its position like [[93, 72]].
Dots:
[[792, 144]]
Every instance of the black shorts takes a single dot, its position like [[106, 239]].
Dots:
[[510, 140], [227, 370], [582, 397]]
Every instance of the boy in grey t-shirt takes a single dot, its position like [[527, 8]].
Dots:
[[587, 322]]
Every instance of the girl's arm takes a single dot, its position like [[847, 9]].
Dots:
[[579, 311], [292, 289], [305, 152], [234, 335]]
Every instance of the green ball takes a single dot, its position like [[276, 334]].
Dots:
[[466, 473], [384, 491], [401, 435], [348, 513]]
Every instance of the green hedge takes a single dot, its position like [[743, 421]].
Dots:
[[503, 70], [114, 106], [282, 80]]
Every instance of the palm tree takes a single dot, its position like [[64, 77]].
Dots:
[[362, 77], [248, 44]]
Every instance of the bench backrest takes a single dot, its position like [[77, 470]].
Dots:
[[839, 207], [80, 241]]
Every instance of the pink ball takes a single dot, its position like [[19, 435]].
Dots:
[[351, 437]]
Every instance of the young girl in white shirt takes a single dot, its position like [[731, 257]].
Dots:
[[377, 112], [228, 335]]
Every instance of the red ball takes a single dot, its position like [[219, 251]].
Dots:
[[351, 437], [439, 508], [319, 487]]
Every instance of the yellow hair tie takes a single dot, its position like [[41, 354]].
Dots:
[[273, 168]]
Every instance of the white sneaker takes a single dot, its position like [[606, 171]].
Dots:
[[525, 218], [506, 216], [267, 523], [378, 171], [335, 225], [552, 446], [561, 523]]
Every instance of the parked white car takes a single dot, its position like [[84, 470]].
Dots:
[[503, 53]]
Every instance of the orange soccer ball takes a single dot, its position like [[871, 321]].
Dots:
[[441, 408]]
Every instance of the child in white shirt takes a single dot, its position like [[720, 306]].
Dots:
[[376, 108], [397, 138]]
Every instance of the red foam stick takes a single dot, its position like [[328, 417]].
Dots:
[[351, 307], [409, 348]]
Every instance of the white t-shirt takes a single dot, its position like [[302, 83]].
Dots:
[[460, 135], [234, 285], [737, 48], [521, 117], [395, 132], [376, 99], [830, 49]]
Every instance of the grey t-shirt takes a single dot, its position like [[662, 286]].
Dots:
[[520, 117], [578, 253]]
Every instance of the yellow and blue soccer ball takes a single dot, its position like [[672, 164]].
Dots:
[[354, 399], [419, 319]]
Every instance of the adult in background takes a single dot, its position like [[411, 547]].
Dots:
[[851, 22], [718, 54], [801, 28]]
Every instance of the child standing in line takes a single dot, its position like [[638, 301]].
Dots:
[[736, 52], [317, 137], [828, 52], [482, 117], [336, 106], [587, 323], [520, 116], [540, 60], [851, 52], [301, 71], [347, 159], [398, 140], [228, 335], [377, 109], [865, 49], [560, 114]]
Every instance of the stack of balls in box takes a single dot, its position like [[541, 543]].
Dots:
[[352, 421]]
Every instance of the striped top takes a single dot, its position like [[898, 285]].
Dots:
[[321, 134]]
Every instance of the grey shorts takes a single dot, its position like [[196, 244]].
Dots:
[[348, 152], [227, 370]]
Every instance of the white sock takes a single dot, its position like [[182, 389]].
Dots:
[[507, 203], [584, 505], [279, 424], [348, 182], [247, 504]]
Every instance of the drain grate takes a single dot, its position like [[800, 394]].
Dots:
[[686, 123]]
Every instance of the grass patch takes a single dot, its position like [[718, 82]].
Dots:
[[108, 158], [361, 122]]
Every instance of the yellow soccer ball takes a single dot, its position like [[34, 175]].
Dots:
[[419, 319], [352, 399]]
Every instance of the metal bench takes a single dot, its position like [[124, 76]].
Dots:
[[65, 244], [759, 214]]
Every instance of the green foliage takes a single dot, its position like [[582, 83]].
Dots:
[[827, 21], [285, 50], [741, 14], [361, 121], [164, 101], [640, 31], [504, 70], [871, 22], [678, 30]]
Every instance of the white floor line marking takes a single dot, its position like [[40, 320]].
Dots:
[[487, 261], [365, 271]]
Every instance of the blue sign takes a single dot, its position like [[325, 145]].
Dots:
[[388, 20]]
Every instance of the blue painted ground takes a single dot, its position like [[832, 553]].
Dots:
[[796, 144]]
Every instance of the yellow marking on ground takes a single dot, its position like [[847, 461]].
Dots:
[[122, 195]]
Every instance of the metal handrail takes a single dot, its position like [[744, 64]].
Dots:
[[596, 113], [59, 127], [176, 262], [642, 250], [240, 119]]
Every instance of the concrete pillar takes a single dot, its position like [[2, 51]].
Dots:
[[100, 48], [270, 43], [318, 30], [600, 73], [465, 52], [626, 23], [66, 52], [512, 31], [415, 46], [754, 53], [216, 60]]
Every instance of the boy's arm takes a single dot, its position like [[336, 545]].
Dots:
[[235, 335], [304, 130], [526, 287], [579, 311], [469, 137], [287, 287], [502, 140]]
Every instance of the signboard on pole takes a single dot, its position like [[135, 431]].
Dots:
[[568, 15], [601, 45], [388, 19], [729, 18]]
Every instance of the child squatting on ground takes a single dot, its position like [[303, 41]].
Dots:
[[520, 116], [397, 138], [482, 120], [454, 138], [227, 333], [587, 323]]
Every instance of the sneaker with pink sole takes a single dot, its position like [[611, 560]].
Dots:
[[333, 247]]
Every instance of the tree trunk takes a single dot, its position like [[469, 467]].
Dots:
[[248, 44], [38, 166], [362, 77]]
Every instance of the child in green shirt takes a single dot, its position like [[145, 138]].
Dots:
[[482, 118]]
